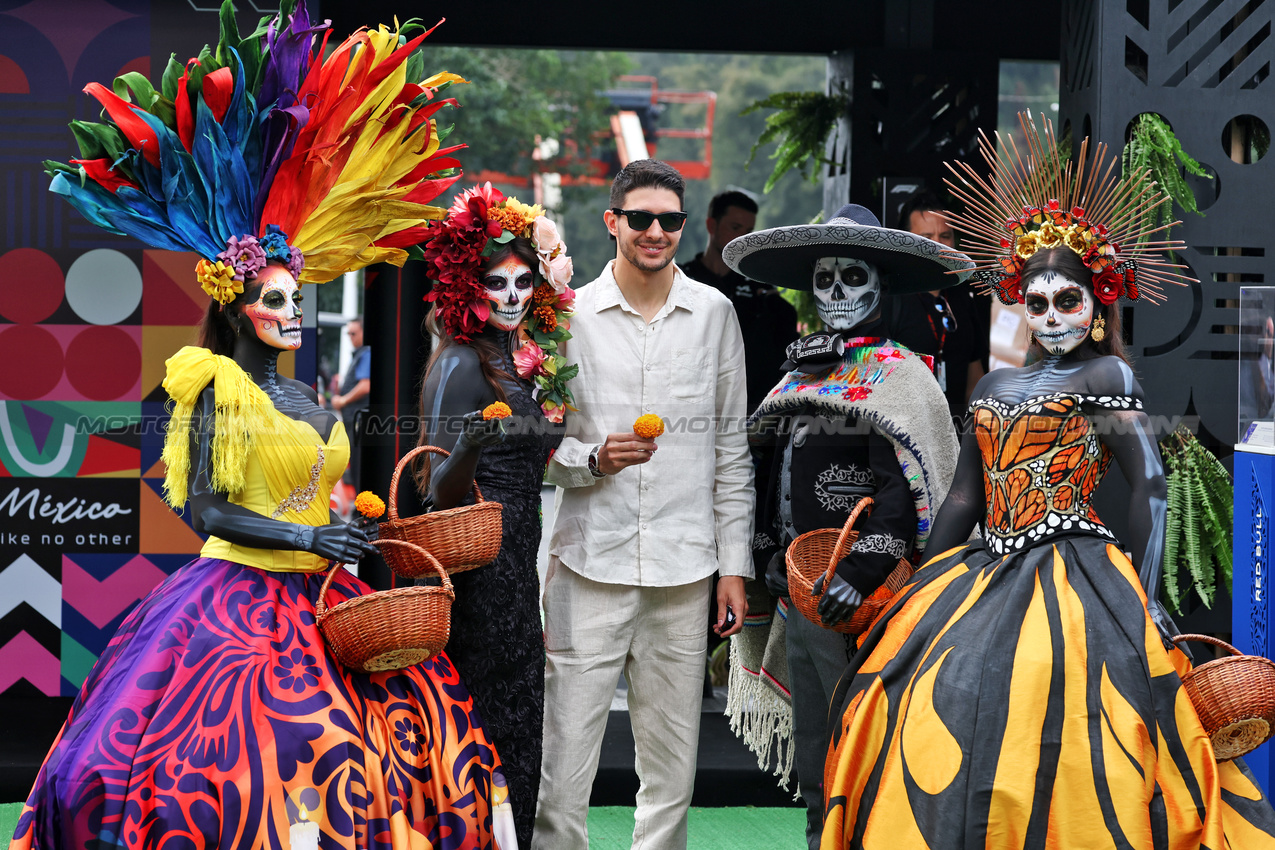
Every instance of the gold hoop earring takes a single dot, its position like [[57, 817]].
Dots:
[[1098, 330]]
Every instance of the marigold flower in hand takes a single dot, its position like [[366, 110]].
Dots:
[[496, 410], [648, 426], [369, 504]]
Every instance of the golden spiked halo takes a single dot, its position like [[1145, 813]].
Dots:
[[1035, 200]]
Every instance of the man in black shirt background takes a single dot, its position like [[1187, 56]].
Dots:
[[767, 321]]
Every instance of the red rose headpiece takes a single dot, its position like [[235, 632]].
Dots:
[[478, 223]]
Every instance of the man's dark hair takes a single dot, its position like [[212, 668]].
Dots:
[[923, 201], [723, 201], [357, 320], [645, 173]]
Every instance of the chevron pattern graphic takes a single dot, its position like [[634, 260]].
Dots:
[[98, 592], [30, 626]]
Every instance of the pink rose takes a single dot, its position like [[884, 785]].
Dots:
[[545, 234], [557, 271], [566, 300], [528, 360], [553, 412]]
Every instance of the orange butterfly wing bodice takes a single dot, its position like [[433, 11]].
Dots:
[[1042, 461]]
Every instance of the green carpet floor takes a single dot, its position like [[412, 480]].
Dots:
[[8, 821], [611, 828]]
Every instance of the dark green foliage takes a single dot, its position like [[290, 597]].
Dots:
[[800, 125], [1153, 149], [1197, 542]]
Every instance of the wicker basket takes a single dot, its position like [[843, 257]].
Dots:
[[1234, 697], [817, 553], [389, 629], [459, 538]]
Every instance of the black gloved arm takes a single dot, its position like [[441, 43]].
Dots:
[[452, 399], [213, 513], [886, 535]]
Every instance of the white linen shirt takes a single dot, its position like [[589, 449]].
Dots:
[[688, 510]]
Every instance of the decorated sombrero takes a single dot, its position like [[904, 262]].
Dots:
[[786, 256]]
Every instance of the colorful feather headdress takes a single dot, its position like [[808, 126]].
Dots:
[[1035, 201], [261, 150]]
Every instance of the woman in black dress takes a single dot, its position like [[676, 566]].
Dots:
[[497, 321]]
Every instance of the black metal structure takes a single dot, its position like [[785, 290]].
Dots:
[[1204, 66]]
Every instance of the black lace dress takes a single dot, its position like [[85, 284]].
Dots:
[[497, 639]]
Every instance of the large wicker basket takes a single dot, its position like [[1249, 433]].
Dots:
[[1234, 697], [817, 553], [459, 538], [389, 629]]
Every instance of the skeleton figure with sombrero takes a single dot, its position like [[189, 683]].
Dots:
[[856, 416]]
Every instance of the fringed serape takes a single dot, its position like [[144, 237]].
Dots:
[[893, 390]]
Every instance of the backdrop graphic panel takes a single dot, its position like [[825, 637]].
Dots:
[[87, 320]]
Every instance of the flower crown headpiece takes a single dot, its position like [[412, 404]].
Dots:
[[260, 150], [479, 223], [1035, 202]]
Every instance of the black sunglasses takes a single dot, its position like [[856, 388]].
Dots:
[[670, 222], [945, 314]]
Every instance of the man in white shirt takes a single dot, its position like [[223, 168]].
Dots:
[[641, 525]]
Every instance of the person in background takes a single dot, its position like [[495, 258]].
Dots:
[[950, 325], [639, 532], [766, 320], [352, 397]]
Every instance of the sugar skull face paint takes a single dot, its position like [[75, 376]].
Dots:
[[1059, 311], [509, 285], [276, 314], [847, 291]]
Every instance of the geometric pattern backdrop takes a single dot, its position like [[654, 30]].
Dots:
[[1201, 65], [86, 322]]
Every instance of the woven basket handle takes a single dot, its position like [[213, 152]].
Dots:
[[838, 551], [403, 464], [421, 551], [321, 606], [1208, 639]]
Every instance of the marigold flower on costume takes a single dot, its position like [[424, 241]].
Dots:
[[544, 294], [648, 426], [218, 280], [547, 317], [496, 410], [369, 504]]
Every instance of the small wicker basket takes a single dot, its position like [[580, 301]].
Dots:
[[389, 629], [1234, 698], [459, 538], [817, 553]]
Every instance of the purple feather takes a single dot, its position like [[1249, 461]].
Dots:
[[279, 133], [287, 59]]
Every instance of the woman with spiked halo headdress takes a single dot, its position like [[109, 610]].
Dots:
[[501, 308], [216, 717], [1021, 691], [857, 416]]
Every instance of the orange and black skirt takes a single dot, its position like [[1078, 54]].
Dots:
[[1027, 701]]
